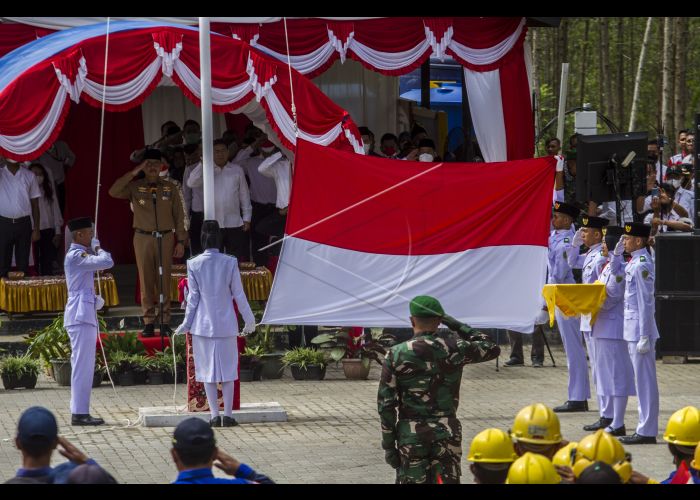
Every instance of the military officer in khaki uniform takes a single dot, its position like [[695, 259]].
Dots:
[[143, 193]]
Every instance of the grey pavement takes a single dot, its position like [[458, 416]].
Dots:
[[332, 435]]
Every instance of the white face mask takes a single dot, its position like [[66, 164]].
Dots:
[[425, 157], [676, 183], [366, 148], [267, 151]]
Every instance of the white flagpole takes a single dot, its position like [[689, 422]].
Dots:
[[207, 132]]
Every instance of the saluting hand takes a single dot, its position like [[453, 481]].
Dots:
[[226, 463], [71, 452]]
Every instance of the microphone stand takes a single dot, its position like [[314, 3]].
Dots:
[[159, 237]]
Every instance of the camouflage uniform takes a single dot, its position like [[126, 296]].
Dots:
[[421, 378]]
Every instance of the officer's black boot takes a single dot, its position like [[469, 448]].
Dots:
[[148, 330]]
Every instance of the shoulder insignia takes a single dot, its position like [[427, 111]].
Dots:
[[645, 274], [618, 278], [566, 240], [142, 189], [642, 258], [83, 254]]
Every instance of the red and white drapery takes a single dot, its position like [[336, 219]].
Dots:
[[35, 103], [492, 51]]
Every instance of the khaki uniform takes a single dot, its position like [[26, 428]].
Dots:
[[171, 222]]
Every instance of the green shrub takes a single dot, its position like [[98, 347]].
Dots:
[[19, 366], [303, 357]]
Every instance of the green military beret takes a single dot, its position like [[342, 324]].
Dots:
[[424, 306]]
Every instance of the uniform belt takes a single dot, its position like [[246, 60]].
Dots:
[[153, 233], [17, 220], [424, 419]]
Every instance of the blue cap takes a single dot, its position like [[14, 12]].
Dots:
[[193, 434], [37, 425]]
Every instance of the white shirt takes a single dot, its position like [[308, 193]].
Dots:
[[231, 195], [686, 199], [609, 211], [672, 216], [49, 212], [262, 188], [279, 168], [194, 197], [16, 191], [56, 158]]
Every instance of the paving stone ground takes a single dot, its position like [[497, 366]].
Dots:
[[332, 435]]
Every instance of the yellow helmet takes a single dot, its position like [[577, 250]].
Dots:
[[532, 468], [603, 447], [492, 446], [683, 427], [564, 457], [695, 464], [536, 424]]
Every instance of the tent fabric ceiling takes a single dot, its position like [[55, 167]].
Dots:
[[38, 80]]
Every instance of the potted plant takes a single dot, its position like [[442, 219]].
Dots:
[[356, 353], [19, 371], [306, 363], [272, 367], [140, 364], [120, 364], [157, 366], [250, 364]]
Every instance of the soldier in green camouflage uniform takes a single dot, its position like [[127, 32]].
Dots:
[[420, 379]]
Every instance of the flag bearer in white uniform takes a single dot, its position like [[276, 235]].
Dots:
[[214, 282], [614, 375], [84, 257], [591, 235], [559, 272], [640, 331]]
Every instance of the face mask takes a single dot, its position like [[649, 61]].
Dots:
[[366, 148], [40, 178], [425, 157], [676, 183], [267, 151], [389, 151]]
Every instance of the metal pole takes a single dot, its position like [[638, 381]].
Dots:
[[562, 100], [207, 132]]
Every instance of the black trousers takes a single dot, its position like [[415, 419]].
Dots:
[[310, 331], [272, 227], [196, 219], [235, 242], [260, 212], [61, 194], [47, 252], [17, 237], [516, 345]]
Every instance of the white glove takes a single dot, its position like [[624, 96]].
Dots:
[[560, 163], [643, 345], [248, 328], [578, 238], [180, 330], [99, 302], [619, 248], [542, 317], [94, 243]]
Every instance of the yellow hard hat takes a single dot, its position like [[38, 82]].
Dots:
[[532, 468], [564, 457], [683, 427], [695, 464], [492, 446], [536, 424], [603, 447]]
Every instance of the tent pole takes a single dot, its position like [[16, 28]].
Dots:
[[207, 132]]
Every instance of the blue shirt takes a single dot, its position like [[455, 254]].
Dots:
[[244, 475], [55, 475]]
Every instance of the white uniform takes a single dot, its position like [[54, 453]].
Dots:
[[590, 267], [80, 320], [559, 271], [640, 322], [214, 282], [613, 374]]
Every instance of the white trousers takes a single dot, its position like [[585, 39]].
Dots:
[[647, 389], [579, 387], [82, 341]]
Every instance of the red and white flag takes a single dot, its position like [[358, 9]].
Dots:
[[366, 234]]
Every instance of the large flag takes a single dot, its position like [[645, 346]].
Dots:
[[365, 235]]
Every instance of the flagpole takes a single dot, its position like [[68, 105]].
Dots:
[[207, 133]]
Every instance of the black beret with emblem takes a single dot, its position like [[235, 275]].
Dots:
[[79, 223], [153, 154], [594, 222], [565, 208], [637, 229]]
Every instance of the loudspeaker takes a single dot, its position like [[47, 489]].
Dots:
[[678, 293]]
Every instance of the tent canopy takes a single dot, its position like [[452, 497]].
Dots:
[[38, 80]]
